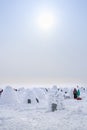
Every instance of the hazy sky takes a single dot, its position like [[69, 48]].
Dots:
[[31, 54]]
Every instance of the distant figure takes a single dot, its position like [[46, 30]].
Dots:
[[78, 91], [75, 93]]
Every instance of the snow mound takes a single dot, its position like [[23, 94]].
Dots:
[[30, 97], [8, 96]]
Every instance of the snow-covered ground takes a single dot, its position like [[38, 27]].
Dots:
[[17, 114]]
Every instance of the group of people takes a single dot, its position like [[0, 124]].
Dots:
[[76, 92]]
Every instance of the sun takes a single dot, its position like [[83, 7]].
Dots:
[[46, 20]]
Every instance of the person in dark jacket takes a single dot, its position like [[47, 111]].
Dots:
[[75, 93]]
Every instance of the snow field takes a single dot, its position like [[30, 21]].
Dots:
[[17, 114]]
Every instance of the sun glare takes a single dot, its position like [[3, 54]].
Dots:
[[45, 21]]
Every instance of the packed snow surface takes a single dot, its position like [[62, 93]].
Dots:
[[17, 114]]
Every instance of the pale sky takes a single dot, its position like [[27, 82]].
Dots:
[[31, 53]]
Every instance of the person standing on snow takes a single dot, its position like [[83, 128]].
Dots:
[[75, 93], [78, 91]]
